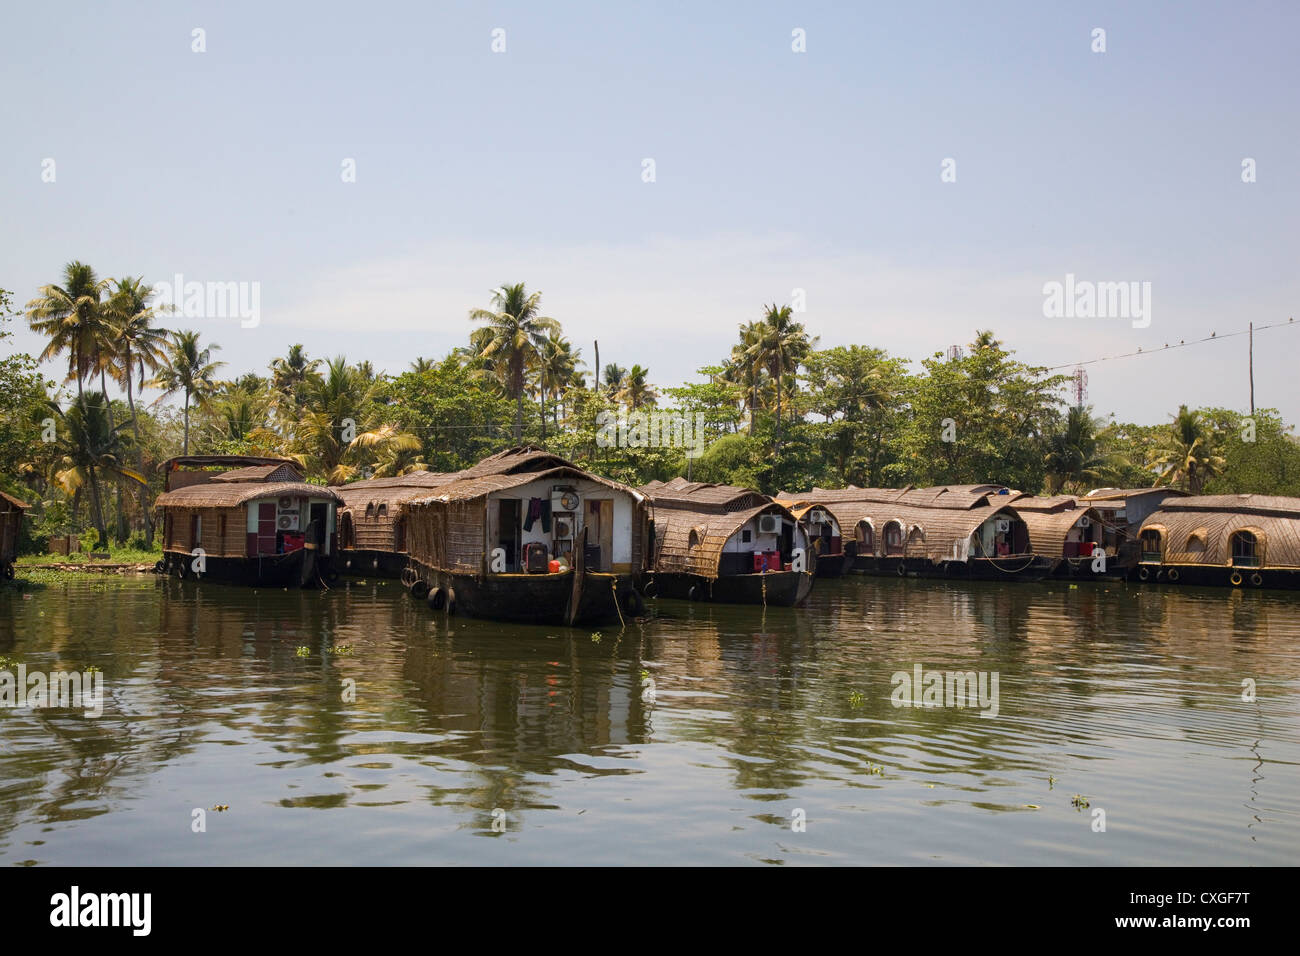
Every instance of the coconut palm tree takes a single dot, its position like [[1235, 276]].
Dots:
[[984, 340], [636, 391], [289, 377], [614, 377], [92, 449], [779, 345], [69, 315], [188, 368], [340, 425], [1185, 453], [743, 370], [140, 348], [516, 333], [556, 367], [1073, 455]]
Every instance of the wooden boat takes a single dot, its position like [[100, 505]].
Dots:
[[527, 536], [1244, 541], [1122, 511], [246, 520], [1069, 534], [373, 521], [11, 519], [830, 559], [728, 544], [947, 531]]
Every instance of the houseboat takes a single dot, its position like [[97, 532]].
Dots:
[[1242, 541], [527, 536], [247, 520], [830, 559], [1122, 511], [373, 521], [11, 519], [950, 531], [1069, 535], [728, 544]]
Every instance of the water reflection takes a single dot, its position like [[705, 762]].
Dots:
[[287, 702]]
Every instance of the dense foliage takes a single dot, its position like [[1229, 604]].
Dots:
[[778, 413]]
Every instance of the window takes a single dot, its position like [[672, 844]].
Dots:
[[1196, 543], [866, 536], [1245, 550], [370, 510], [383, 511], [746, 536], [1151, 545], [893, 538], [694, 539]]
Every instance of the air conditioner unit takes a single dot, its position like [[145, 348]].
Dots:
[[817, 517], [566, 500], [287, 521], [1004, 526], [1084, 521], [769, 524], [563, 528], [286, 503]]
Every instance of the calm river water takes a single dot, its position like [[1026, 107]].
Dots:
[[702, 735]]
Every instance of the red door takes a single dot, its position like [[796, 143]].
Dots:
[[266, 527]]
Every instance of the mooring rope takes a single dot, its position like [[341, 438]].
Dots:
[[613, 586]]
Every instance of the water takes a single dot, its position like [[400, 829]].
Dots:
[[1130, 699]]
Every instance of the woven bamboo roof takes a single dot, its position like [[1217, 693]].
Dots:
[[1049, 528], [17, 503], [223, 461], [1250, 504], [691, 542], [1274, 521], [1111, 494], [680, 493], [514, 460], [1046, 503], [288, 472], [393, 492], [476, 486], [233, 495]]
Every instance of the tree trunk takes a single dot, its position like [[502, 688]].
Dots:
[[187, 422], [139, 459], [97, 509]]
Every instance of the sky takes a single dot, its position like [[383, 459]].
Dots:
[[774, 170]]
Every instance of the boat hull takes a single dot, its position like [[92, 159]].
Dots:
[[386, 564], [529, 598], [1010, 568], [303, 568], [777, 588], [833, 565], [1194, 575]]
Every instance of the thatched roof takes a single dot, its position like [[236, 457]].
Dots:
[[513, 460], [1049, 527], [463, 488], [691, 542], [281, 472], [17, 503], [222, 461], [680, 493], [393, 492], [212, 495], [928, 532], [1046, 503], [1275, 522], [1113, 494]]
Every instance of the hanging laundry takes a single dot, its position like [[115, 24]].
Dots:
[[534, 512]]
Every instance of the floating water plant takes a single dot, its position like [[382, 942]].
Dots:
[[303, 651]]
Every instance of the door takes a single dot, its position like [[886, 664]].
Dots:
[[508, 531], [266, 527], [600, 535], [318, 527]]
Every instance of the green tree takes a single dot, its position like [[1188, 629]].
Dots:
[[1185, 456], [69, 314], [188, 368], [517, 333]]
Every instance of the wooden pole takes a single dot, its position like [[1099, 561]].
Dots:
[[597, 344], [1252, 369]]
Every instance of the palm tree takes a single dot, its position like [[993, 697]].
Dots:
[[779, 346], [91, 447], [984, 340], [636, 391], [290, 375], [140, 348], [614, 376], [556, 368], [742, 369], [321, 441], [69, 315], [422, 364], [516, 333], [1072, 453], [188, 368], [1185, 453]]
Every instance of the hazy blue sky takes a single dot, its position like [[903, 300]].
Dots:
[[775, 170]]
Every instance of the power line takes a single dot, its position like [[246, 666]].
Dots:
[[1212, 337]]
